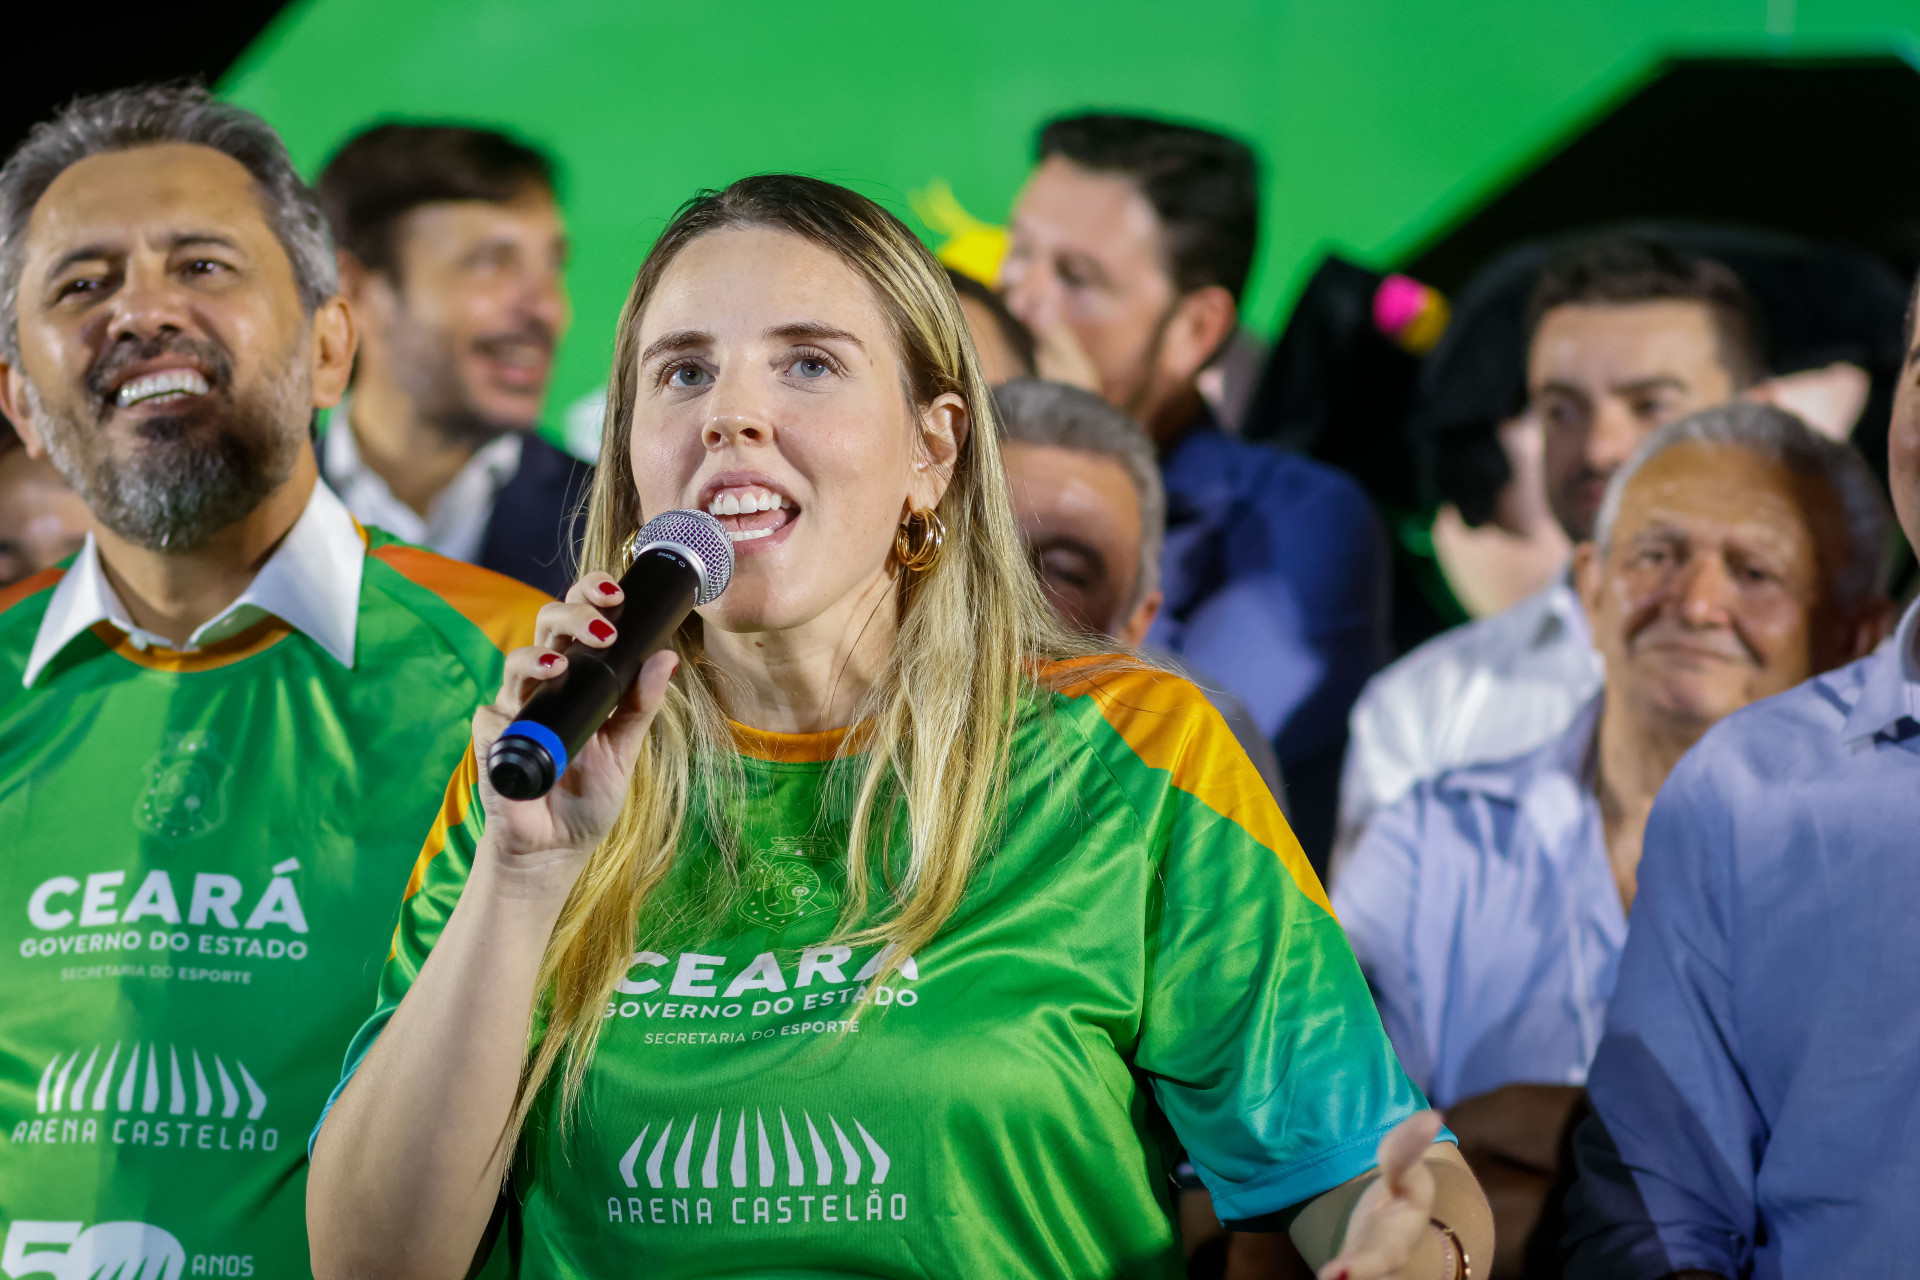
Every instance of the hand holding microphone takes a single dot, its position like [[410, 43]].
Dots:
[[684, 561], [577, 704]]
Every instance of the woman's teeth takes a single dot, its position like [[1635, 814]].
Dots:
[[746, 502], [747, 535], [152, 386]]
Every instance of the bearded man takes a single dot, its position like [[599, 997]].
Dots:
[[218, 719]]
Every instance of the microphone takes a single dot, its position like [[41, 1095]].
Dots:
[[684, 561]]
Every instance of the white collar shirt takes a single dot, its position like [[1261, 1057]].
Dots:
[[311, 582], [455, 524]]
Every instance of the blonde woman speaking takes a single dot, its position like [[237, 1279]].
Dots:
[[887, 929]]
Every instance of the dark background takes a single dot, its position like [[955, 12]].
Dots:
[[68, 49]]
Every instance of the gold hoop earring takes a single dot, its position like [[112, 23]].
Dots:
[[917, 543]]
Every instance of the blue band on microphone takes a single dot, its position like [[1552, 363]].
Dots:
[[545, 737]]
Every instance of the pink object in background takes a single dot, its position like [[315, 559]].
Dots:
[[1398, 302], [1412, 314]]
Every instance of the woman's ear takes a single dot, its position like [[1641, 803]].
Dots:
[[943, 432]]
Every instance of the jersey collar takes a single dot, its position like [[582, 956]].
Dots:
[[801, 748], [311, 582]]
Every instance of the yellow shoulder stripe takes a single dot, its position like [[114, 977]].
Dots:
[[1172, 727], [453, 812]]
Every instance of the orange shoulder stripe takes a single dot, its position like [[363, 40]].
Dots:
[[13, 595], [500, 607], [453, 812], [1172, 727]]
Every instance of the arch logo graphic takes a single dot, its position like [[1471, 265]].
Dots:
[[752, 1155], [148, 1098], [61, 1089]]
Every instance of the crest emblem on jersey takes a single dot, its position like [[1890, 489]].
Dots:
[[784, 883], [186, 788]]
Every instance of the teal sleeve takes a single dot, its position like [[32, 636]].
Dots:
[[1260, 1036]]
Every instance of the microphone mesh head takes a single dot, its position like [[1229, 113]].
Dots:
[[702, 538]]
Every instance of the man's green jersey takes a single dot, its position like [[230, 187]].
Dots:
[[202, 852], [1143, 961]]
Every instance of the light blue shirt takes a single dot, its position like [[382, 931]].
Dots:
[[1757, 1092], [1483, 910]]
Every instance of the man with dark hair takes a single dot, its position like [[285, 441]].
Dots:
[[1130, 248], [218, 714], [1754, 1108], [451, 256], [1627, 334], [1667, 329]]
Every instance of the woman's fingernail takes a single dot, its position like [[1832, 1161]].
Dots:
[[607, 589], [548, 659], [600, 630]]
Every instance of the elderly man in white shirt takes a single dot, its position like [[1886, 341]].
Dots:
[[1627, 335]]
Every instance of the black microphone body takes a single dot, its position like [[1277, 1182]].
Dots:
[[664, 583]]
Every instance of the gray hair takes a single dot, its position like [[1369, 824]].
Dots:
[[1053, 414], [1780, 436], [154, 115]]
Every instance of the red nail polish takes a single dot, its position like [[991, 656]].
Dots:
[[600, 630], [607, 588], [548, 659]]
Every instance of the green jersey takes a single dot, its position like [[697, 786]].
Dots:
[[1143, 961], [202, 854]]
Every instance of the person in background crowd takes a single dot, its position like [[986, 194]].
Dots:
[[42, 520], [1737, 553], [218, 718], [1086, 490], [1753, 1099], [1627, 335], [452, 251], [1006, 346], [1129, 249]]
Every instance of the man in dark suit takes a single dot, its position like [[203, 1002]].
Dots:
[[452, 249]]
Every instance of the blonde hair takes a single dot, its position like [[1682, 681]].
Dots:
[[939, 722]]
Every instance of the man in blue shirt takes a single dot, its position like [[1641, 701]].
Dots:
[[1737, 553], [1757, 1090], [1130, 246]]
